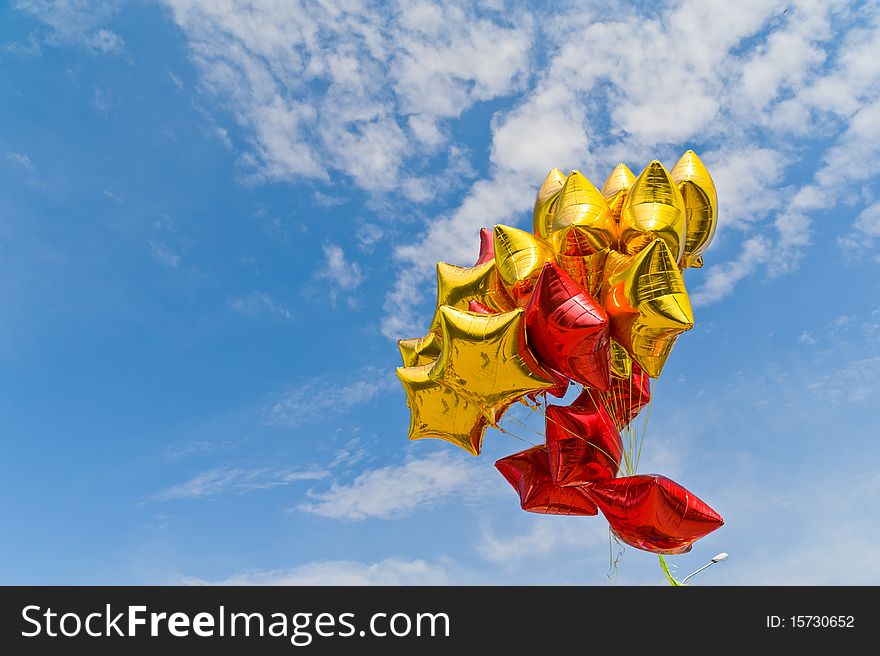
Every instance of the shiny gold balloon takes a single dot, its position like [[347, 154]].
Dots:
[[581, 223], [647, 304], [520, 256], [700, 203], [585, 270], [457, 286], [546, 201], [485, 359], [616, 189], [419, 351], [621, 363], [653, 208], [438, 412]]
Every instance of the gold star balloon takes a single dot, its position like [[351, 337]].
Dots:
[[485, 359], [418, 351], [700, 203], [616, 189], [438, 412], [621, 363], [542, 213], [457, 286], [647, 304], [581, 223], [653, 208], [520, 257]]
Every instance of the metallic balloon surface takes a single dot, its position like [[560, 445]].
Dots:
[[581, 223], [616, 189], [438, 412], [653, 513], [457, 286], [567, 329], [653, 209], [700, 203], [583, 445], [621, 363], [626, 398], [520, 256], [487, 247], [415, 352], [545, 201], [485, 359], [529, 473], [647, 304]]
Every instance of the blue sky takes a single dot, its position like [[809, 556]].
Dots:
[[216, 218]]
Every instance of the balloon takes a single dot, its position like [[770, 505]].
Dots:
[[647, 304], [559, 389], [653, 208], [653, 513], [616, 189], [567, 330], [621, 363], [487, 246], [585, 270], [438, 412], [624, 401], [581, 224], [529, 473], [419, 351], [457, 286], [485, 359], [700, 203], [546, 201], [520, 257], [479, 308], [583, 444]]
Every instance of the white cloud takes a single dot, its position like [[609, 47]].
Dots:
[[344, 275], [235, 480], [397, 490], [20, 160], [258, 302], [391, 571], [163, 254], [77, 22], [545, 535]]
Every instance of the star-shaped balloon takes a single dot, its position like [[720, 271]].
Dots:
[[700, 203], [623, 401], [616, 189], [653, 208], [487, 246], [418, 351], [545, 201], [581, 223], [438, 412], [567, 329], [621, 363], [457, 286], [653, 513], [528, 472], [485, 359], [520, 256], [647, 304], [583, 445]]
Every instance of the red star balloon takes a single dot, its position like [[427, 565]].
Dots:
[[624, 400], [487, 246], [653, 513], [583, 445], [568, 330], [529, 473]]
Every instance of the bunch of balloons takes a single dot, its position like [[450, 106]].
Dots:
[[594, 297]]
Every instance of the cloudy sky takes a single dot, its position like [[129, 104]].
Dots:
[[217, 216]]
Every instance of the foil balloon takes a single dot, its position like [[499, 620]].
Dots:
[[415, 352], [520, 257], [616, 189], [438, 412], [581, 223], [567, 330], [479, 308], [542, 213], [485, 359], [626, 398], [621, 363], [647, 304], [487, 247], [653, 513], [653, 209], [528, 472], [559, 389], [700, 206], [583, 445], [457, 286]]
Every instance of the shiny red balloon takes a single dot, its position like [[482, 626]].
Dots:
[[529, 473], [624, 400], [479, 308], [653, 513], [583, 445], [487, 246], [568, 330]]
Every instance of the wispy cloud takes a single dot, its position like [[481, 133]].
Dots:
[[544, 536], [258, 303], [78, 23], [163, 254], [342, 275], [20, 161], [236, 480], [397, 490], [391, 571]]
